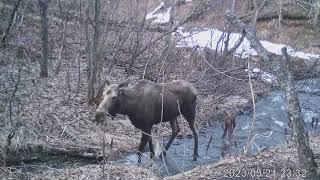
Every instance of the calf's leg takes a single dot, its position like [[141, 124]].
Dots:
[[230, 133], [224, 131], [234, 124]]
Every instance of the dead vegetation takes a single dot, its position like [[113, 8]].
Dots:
[[51, 116], [275, 163], [87, 172], [276, 158]]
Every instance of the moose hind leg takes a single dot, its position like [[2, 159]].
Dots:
[[175, 131], [194, 128]]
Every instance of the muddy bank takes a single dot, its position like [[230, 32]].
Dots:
[[275, 163]]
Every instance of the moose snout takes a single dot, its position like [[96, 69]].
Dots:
[[99, 116]]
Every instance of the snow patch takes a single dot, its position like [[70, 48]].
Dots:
[[267, 77], [211, 38], [280, 123], [215, 39], [150, 15], [159, 17], [276, 49]]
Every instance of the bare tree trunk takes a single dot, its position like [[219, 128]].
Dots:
[[136, 41], [13, 14], [316, 13], [280, 13], [246, 6], [168, 39], [172, 4], [57, 70], [233, 5], [86, 27], [92, 70], [300, 134], [43, 4], [257, 11], [301, 139]]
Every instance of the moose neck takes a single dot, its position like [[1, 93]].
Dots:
[[128, 102]]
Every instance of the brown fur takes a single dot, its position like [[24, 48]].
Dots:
[[143, 104], [229, 117]]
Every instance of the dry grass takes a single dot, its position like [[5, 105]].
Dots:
[[88, 172], [48, 111]]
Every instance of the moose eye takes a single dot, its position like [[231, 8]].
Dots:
[[108, 92], [121, 92]]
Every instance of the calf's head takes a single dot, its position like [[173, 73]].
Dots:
[[111, 101]]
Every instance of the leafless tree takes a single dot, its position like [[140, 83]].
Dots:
[[300, 134], [316, 5], [281, 65], [281, 9], [11, 21], [43, 4], [92, 51]]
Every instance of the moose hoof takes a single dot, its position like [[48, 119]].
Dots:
[[151, 155], [195, 157], [163, 154], [139, 157]]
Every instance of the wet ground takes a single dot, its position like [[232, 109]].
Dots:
[[270, 129]]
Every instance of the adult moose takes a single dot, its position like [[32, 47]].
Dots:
[[149, 103]]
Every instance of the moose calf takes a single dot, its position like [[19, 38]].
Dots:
[[229, 117]]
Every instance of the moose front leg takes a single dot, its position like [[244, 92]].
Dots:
[[149, 139], [151, 147], [143, 143]]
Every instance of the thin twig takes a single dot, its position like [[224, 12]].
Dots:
[[246, 150], [14, 93]]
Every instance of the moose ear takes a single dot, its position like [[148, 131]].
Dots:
[[104, 92], [124, 83]]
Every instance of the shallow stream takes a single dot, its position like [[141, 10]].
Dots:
[[269, 130]]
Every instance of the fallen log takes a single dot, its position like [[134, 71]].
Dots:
[[289, 10], [39, 152]]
